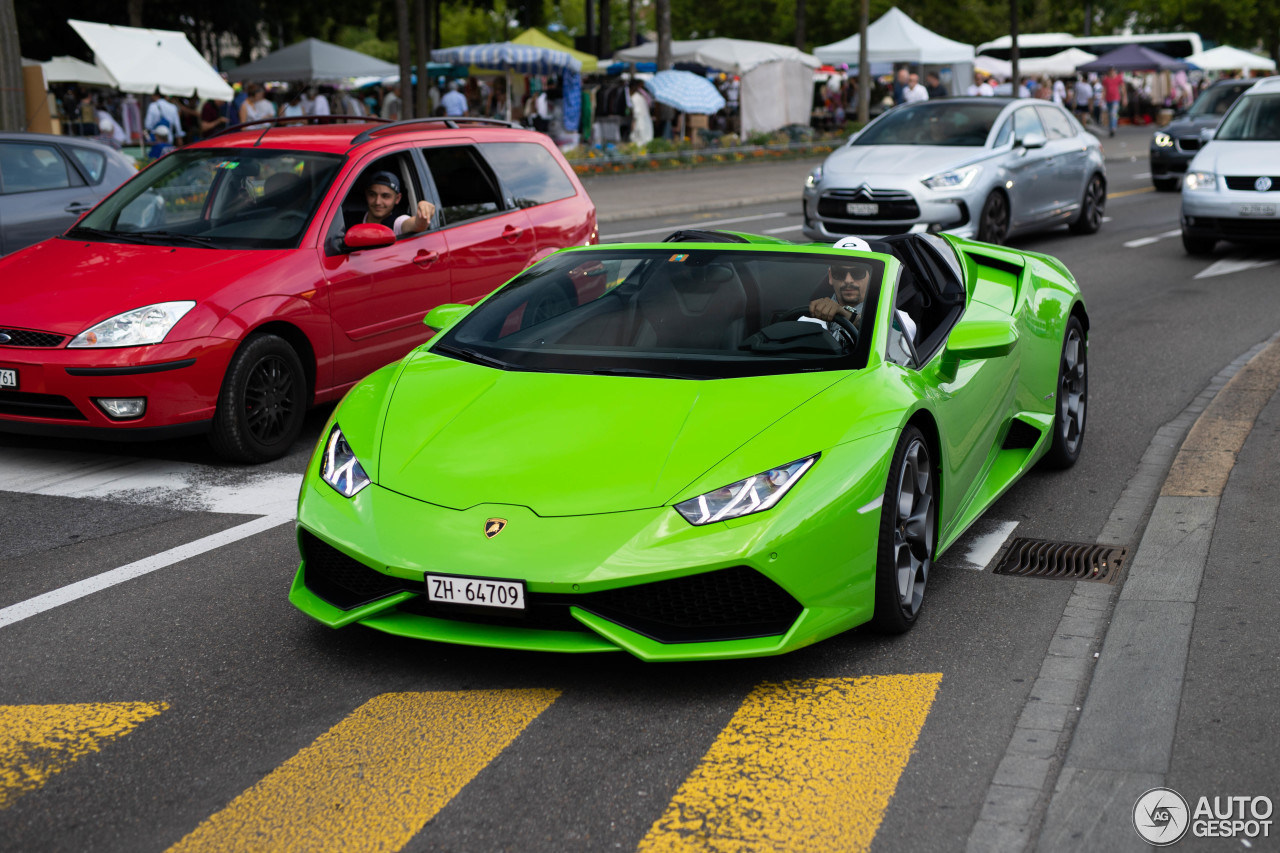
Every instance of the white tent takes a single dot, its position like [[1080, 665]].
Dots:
[[777, 80], [993, 65], [894, 37], [68, 69], [1226, 58], [1061, 64], [141, 60]]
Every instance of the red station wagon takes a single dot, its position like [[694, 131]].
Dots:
[[233, 283]]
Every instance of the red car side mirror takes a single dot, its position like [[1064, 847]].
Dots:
[[368, 236]]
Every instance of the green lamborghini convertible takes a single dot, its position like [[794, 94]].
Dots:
[[660, 449]]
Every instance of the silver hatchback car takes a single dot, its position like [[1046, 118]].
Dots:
[[1232, 188], [987, 168]]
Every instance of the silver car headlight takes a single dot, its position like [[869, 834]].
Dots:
[[135, 328], [1162, 139], [754, 494], [339, 466], [815, 177], [1200, 181], [955, 179]]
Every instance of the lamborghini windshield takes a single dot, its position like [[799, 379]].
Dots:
[[216, 198], [700, 313]]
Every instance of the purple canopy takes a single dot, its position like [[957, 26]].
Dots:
[[1134, 57]]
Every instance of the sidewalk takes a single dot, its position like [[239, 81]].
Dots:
[[642, 195]]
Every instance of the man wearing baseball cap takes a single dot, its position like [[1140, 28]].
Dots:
[[382, 195]]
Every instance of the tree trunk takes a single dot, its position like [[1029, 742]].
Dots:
[[799, 24], [406, 69], [662, 12], [135, 12], [424, 56], [632, 33], [606, 37], [864, 67], [593, 46], [1013, 46], [13, 104]]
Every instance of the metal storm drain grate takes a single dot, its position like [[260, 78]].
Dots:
[[1036, 558]]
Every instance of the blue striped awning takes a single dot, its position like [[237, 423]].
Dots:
[[522, 58]]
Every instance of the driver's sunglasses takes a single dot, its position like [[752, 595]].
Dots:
[[849, 276]]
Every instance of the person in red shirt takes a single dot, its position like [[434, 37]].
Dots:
[[1114, 94]]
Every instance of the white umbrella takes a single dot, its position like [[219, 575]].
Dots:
[[685, 91], [68, 69], [994, 66], [1061, 64], [1226, 58]]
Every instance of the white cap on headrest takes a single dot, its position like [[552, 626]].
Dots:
[[856, 243]]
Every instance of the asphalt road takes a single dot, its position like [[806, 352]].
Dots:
[[193, 706]]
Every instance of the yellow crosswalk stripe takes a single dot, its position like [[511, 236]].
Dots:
[[372, 781], [39, 741], [803, 765]]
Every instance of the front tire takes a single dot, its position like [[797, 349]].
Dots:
[[908, 529], [1197, 245], [1071, 398], [1092, 205], [262, 404], [993, 224]]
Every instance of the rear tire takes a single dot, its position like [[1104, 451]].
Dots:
[[1071, 398], [1092, 205], [908, 530], [262, 404], [1198, 245]]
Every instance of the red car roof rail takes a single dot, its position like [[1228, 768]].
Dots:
[[451, 122], [279, 120]]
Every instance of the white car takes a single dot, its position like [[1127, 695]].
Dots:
[[1232, 188]]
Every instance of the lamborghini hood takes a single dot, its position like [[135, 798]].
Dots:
[[459, 435]]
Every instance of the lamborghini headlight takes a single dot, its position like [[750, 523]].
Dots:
[[754, 494], [339, 466], [1162, 139], [134, 328], [956, 179], [1200, 181]]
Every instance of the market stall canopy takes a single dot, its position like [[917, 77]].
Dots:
[[1134, 57], [312, 59], [509, 56], [994, 66], [141, 60], [68, 69], [894, 37], [535, 37], [685, 91], [1061, 64], [736, 56], [1226, 58]]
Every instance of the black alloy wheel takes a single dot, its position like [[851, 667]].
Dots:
[[993, 222], [1092, 205], [263, 402], [1071, 399], [908, 529], [1197, 245]]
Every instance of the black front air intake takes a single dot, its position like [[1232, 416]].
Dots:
[[343, 581]]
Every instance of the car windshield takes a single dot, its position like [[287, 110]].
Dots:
[[1215, 101], [956, 123], [1255, 119], [679, 312], [217, 198]]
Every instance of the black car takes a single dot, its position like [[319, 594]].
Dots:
[[1173, 146]]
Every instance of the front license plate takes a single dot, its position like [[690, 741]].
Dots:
[[8, 378], [1257, 210], [484, 592], [862, 208]]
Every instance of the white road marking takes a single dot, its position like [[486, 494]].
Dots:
[[97, 583], [1141, 175], [784, 229], [1226, 266], [984, 548], [177, 485], [711, 224], [1147, 241]]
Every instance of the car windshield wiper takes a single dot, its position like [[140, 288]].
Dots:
[[175, 235], [636, 371], [472, 356], [122, 236]]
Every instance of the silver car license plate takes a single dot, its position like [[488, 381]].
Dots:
[[8, 378], [1257, 210], [862, 208]]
